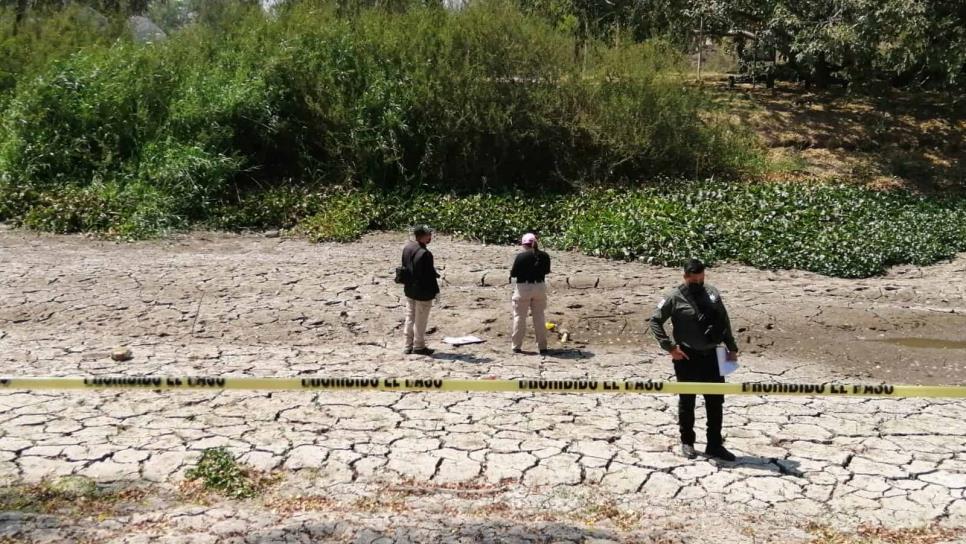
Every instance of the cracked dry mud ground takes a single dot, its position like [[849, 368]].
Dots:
[[501, 467]]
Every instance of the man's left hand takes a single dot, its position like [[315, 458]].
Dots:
[[732, 355]]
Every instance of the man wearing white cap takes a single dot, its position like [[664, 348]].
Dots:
[[530, 269]]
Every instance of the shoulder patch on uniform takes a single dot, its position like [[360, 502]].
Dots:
[[713, 297], [661, 303]]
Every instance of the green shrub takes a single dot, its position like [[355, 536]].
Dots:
[[490, 218], [219, 472], [87, 119], [835, 230], [283, 206], [630, 224], [193, 177], [478, 121], [48, 35], [132, 211], [341, 217], [478, 99]]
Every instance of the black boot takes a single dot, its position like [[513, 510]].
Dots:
[[719, 452], [687, 450]]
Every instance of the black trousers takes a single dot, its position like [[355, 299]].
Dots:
[[701, 367]]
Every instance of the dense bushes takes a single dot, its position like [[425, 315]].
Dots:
[[835, 230], [45, 36], [334, 125], [475, 99]]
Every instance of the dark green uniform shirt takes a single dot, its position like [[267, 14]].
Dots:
[[688, 331]]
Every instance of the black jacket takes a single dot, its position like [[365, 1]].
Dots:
[[530, 266], [419, 261]]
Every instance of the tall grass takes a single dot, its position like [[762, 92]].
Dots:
[[478, 121], [47, 35], [474, 100]]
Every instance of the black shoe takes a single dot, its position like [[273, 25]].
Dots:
[[424, 351], [545, 351], [517, 350], [687, 450], [407, 351], [719, 452]]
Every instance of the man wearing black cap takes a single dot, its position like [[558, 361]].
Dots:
[[420, 288], [700, 324]]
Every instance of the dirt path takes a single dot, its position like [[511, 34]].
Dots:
[[536, 468]]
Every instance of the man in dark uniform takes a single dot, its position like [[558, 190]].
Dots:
[[420, 289], [700, 324]]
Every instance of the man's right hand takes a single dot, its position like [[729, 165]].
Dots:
[[677, 354]]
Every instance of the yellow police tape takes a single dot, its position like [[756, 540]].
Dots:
[[518, 386]]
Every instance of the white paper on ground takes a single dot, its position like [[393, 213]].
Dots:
[[462, 340], [725, 366]]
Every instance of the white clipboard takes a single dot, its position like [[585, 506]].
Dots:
[[462, 340], [725, 366]]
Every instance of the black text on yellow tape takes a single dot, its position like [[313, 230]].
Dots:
[[474, 385]]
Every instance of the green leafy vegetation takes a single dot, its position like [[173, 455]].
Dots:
[[341, 218], [903, 43], [334, 119], [481, 98], [837, 230], [219, 472]]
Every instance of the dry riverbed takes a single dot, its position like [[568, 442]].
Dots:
[[497, 467]]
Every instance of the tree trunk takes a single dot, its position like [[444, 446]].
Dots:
[[138, 7], [821, 73], [700, 47], [21, 13]]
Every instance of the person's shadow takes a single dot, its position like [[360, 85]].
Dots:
[[570, 353], [562, 353], [780, 467], [461, 357]]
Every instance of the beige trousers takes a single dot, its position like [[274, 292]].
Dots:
[[529, 298], [417, 316]]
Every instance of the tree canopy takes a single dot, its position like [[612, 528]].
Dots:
[[868, 42]]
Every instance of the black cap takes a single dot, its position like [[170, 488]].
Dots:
[[422, 230], [693, 266]]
